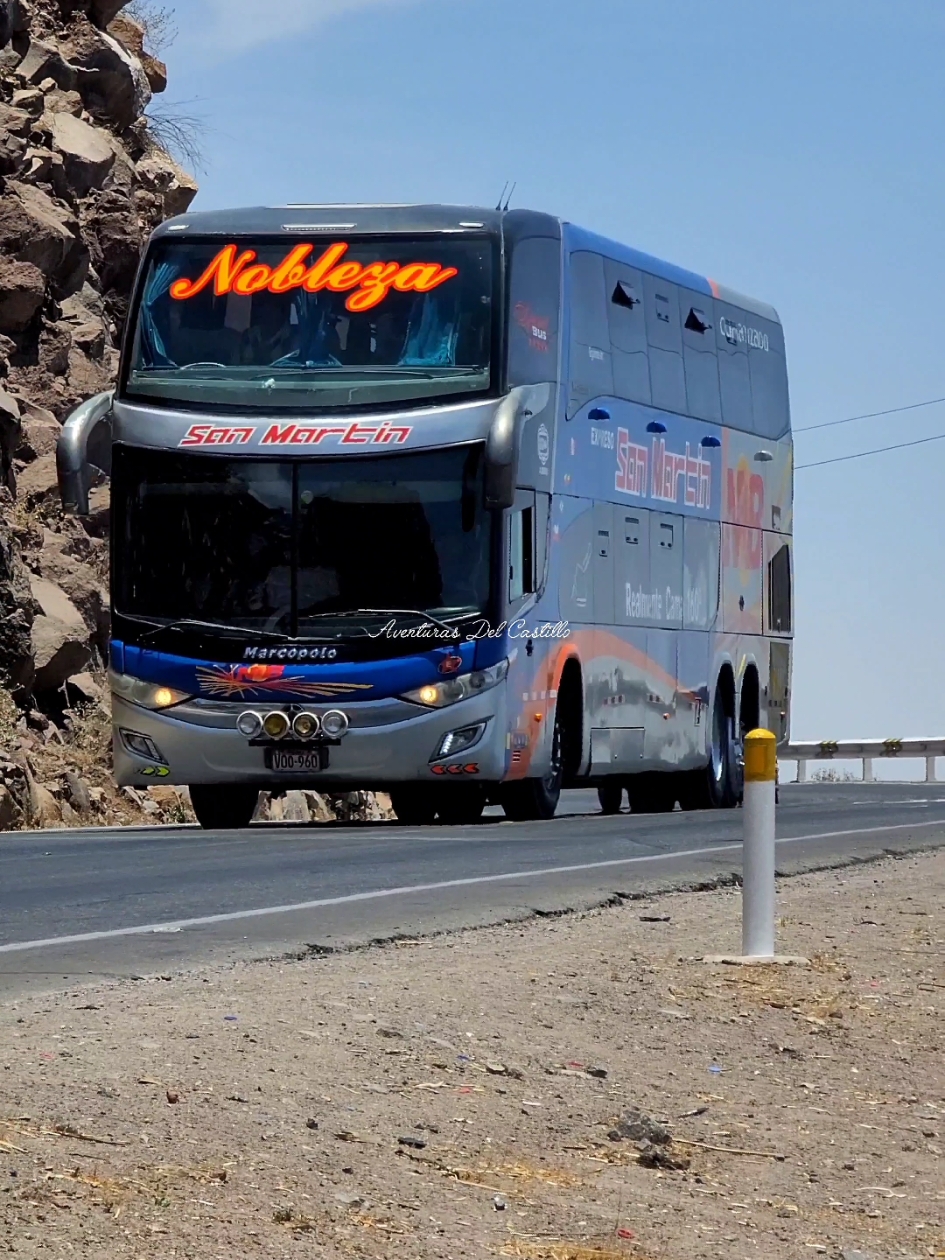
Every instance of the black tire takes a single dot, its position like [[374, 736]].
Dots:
[[723, 779], [610, 795], [694, 791], [535, 800], [414, 804], [653, 793], [224, 807], [461, 805]]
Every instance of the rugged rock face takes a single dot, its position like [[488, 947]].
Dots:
[[82, 183]]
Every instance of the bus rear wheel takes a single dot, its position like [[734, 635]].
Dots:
[[722, 772], [653, 793], [610, 795], [223, 807]]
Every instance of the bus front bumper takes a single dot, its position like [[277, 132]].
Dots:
[[388, 742]]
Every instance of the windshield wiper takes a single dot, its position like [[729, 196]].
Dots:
[[384, 612], [190, 623]]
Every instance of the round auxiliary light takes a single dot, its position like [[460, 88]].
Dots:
[[249, 724], [429, 695], [163, 696], [305, 725], [275, 724], [334, 723]]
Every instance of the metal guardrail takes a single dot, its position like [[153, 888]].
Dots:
[[866, 750]]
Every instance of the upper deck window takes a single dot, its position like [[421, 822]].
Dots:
[[288, 325]]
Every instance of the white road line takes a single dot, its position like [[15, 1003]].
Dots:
[[378, 894]]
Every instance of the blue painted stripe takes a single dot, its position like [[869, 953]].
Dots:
[[367, 680]]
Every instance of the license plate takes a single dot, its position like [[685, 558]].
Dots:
[[285, 762]]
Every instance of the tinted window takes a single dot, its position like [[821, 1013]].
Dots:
[[269, 544], [697, 320], [731, 340], [590, 372], [283, 325], [627, 324], [768, 371], [533, 311], [667, 380]]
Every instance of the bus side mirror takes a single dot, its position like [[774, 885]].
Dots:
[[502, 444], [85, 443]]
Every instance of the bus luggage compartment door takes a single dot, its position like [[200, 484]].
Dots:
[[616, 749]]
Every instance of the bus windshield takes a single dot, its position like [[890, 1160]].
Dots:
[[290, 324], [284, 546]]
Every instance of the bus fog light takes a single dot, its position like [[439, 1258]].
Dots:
[[459, 740], [305, 725], [249, 724], [141, 745], [275, 724], [335, 723]]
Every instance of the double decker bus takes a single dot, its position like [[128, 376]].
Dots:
[[458, 504]]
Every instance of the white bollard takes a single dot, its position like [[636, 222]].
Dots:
[[761, 767]]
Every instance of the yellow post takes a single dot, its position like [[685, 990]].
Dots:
[[761, 757]]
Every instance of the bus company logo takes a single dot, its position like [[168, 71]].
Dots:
[[217, 435], [240, 681], [668, 476], [632, 465], [679, 478], [347, 434], [310, 654], [356, 434], [743, 335], [234, 272], [536, 327], [544, 447], [744, 508]]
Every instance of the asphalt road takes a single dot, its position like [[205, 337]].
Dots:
[[98, 903]]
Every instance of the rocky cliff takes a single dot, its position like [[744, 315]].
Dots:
[[83, 180], [82, 183]]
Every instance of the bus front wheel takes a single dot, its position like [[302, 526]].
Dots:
[[534, 800], [414, 805], [223, 807]]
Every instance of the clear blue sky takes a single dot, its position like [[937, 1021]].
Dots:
[[792, 150]]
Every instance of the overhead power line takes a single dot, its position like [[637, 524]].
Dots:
[[879, 450], [870, 415]]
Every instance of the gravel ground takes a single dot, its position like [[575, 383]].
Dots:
[[456, 1097]]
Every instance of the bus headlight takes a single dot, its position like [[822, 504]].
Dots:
[[305, 725], [249, 724], [438, 695], [335, 723], [275, 724], [148, 695]]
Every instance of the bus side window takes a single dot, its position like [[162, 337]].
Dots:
[[664, 336], [768, 373], [699, 356], [522, 569], [590, 369], [625, 318], [779, 591], [731, 343]]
